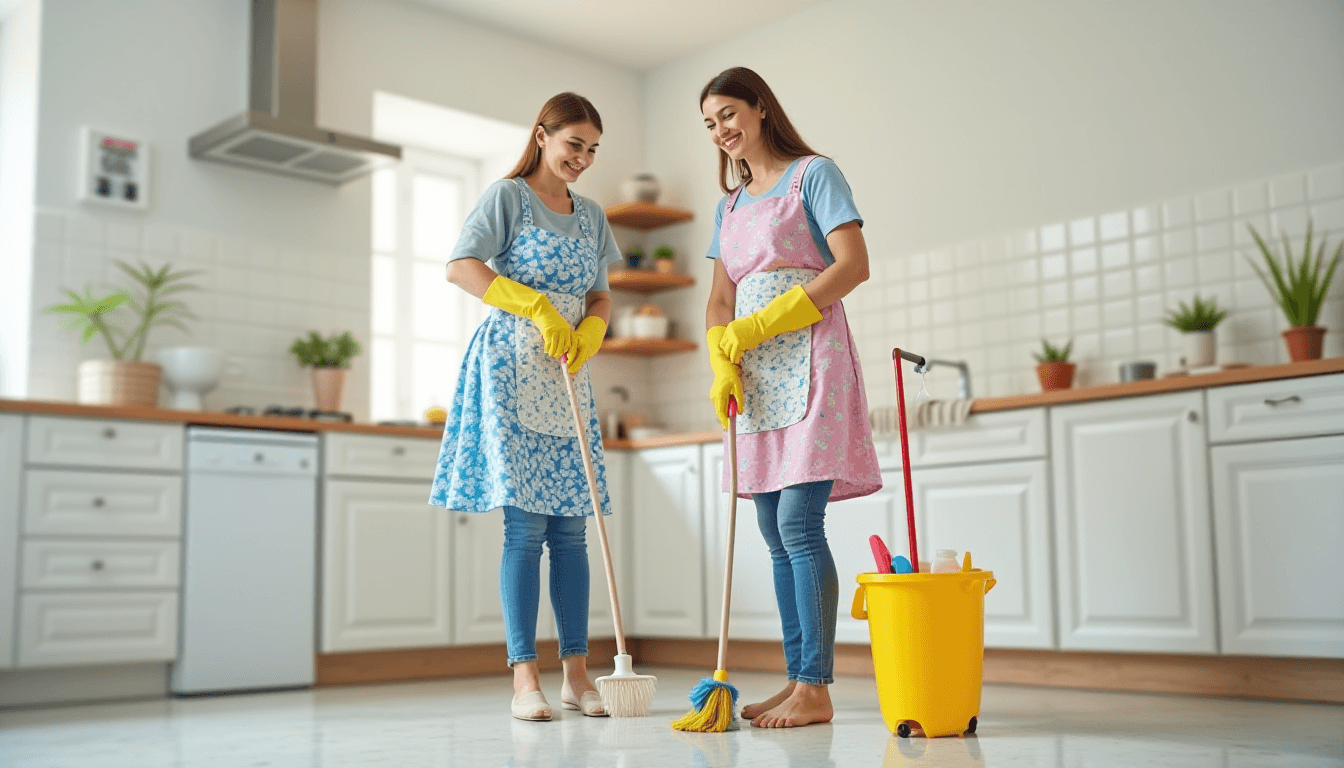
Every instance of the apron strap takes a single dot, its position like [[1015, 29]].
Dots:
[[587, 229], [796, 185], [732, 199], [527, 201]]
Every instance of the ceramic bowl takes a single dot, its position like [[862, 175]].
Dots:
[[648, 327]]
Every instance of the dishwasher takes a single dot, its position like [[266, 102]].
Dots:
[[249, 602]]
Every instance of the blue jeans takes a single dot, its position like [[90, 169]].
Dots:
[[793, 522], [520, 581]]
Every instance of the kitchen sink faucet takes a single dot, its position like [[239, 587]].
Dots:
[[963, 375]]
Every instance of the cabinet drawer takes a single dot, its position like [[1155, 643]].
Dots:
[[102, 504], [995, 436], [105, 443], [100, 564], [97, 627], [1311, 405], [407, 458]]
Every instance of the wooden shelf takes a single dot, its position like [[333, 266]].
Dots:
[[646, 347], [647, 281], [645, 215]]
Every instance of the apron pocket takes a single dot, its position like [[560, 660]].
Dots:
[[539, 384], [777, 374]]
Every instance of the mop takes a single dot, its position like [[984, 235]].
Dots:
[[715, 699], [624, 693]]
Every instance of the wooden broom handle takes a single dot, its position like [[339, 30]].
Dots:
[[597, 506], [732, 533]]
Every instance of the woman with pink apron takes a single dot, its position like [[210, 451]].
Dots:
[[788, 247]]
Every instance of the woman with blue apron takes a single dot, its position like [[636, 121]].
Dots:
[[509, 440], [788, 247]]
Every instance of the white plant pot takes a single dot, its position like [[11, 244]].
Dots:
[[1198, 348]]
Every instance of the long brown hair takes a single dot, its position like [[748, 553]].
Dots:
[[560, 110], [781, 138]]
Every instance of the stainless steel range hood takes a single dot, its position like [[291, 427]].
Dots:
[[278, 132]]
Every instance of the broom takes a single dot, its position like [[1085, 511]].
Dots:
[[624, 694], [714, 699]]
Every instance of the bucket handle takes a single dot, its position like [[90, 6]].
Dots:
[[858, 610]]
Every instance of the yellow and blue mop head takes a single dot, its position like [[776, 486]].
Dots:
[[713, 701]]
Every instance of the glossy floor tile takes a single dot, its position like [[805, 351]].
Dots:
[[466, 723]]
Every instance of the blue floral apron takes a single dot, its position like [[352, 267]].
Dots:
[[509, 439]]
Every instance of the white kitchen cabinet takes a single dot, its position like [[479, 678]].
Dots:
[[600, 624], [667, 564], [1000, 513], [386, 567], [478, 550], [1279, 526], [1312, 405], [77, 502], [849, 523], [1133, 539], [11, 472], [105, 443], [61, 628]]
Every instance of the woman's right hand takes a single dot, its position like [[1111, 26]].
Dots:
[[727, 380], [556, 335]]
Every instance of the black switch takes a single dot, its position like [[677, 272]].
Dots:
[[104, 186], [129, 191]]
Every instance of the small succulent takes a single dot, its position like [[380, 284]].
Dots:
[[1200, 316], [663, 252], [334, 352], [1052, 354]]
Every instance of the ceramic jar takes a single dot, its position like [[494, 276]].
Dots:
[[641, 188]]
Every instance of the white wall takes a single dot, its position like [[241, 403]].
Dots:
[[19, 44], [960, 121], [279, 255]]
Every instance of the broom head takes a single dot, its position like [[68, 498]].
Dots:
[[714, 701], [625, 694]]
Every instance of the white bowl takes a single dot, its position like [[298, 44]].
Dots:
[[644, 433], [191, 372], [648, 327]]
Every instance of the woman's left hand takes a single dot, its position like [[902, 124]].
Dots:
[[589, 335]]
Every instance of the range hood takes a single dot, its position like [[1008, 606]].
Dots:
[[278, 132]]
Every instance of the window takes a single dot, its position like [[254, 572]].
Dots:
[[421, 322]]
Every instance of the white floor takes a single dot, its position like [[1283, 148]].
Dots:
[[466, 723]]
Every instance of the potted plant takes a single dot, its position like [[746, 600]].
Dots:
[[1196, 322], [662, 260], [634, 256], [330, 361], [126, 379], [1053, 367], [1299, 290]]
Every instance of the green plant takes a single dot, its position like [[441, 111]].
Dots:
[[663, 252], [334, 351], [1200, 316], [91, 315], [1298, 288], [1052, 354]]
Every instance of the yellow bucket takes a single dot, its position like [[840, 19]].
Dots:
[[928, 642]]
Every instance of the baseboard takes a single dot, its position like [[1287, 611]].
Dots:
[[82, 685], [1255, 677]]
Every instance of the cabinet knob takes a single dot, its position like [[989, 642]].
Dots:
[[109, 433], [259, 458], [98, 501], [463, 519], [1191, 416], [398, 451], [96, 565], [303, 463], [1280, 401]]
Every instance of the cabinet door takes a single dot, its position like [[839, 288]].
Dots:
[[11, 442], [478, 550], [753, 612], [600, 624], [1132, 528], [849, 523], [667, 560], [385, 567], [65, 628], [1279, 523], [1000, 514]]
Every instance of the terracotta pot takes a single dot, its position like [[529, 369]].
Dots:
[[328, 387], [664, 266], [1057, 375], [119, 382], [1305, 342]]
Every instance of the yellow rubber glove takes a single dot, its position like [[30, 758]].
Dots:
[[517, 299], [727, 381], [589, 334], [789, 312]]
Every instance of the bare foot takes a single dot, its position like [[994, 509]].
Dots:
[[753, 711], [806, 705]]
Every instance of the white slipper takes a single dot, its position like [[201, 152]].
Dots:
[[531, 706]]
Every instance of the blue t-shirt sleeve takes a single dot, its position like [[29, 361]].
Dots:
[[713, 252], [827, 198], [492, 225], [609, 252]]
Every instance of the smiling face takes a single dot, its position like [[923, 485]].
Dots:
[[569, 151], [734, 125]]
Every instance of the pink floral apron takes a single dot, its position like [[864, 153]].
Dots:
[[805, 415]]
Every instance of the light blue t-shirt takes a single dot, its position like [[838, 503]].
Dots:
[[827, 202], [498, 218]]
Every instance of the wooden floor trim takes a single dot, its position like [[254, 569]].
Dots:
[[1255, 677]]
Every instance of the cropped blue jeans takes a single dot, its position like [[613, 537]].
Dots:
[[793, 522], [520, 581]]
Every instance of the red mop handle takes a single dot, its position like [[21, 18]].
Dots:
[[905, 462]]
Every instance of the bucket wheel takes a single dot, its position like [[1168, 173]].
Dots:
[[903, 730], [971, 727]]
